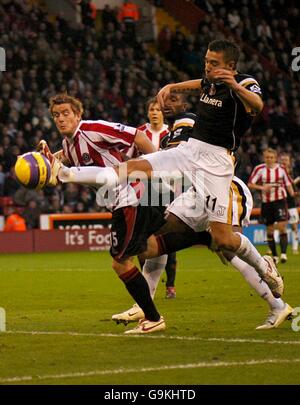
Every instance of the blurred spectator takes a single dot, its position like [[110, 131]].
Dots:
[[109, 17], [2, 179], [14, 221], [71, 195], [129, 15], [67, 209], [31, 214], [164, 40], [11, 185], [88, 13]]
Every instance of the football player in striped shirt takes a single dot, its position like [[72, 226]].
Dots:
[[102, 144], [274, 182], [285, 161]]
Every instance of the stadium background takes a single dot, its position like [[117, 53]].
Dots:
[[59, 305]]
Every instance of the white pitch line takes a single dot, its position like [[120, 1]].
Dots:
[[148, 369], [121, 335]]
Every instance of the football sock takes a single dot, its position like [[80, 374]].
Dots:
[[139, 290], [174, 241], [249, 254], [152, 271], [272, 245], [97, 176], [253, 279], [283, 242], [171, 270], [295, 240]]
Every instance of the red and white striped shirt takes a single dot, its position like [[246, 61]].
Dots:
[[277, 177], [154, 136], [98, 143]]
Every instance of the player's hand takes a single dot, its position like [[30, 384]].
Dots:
[[267, 187], [225, 76], [43, 148], [163, 94]]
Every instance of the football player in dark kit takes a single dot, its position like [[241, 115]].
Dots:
[[227, 102]]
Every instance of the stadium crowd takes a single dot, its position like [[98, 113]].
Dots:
[[114, 74]]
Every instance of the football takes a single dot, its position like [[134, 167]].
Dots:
[[33, 170]]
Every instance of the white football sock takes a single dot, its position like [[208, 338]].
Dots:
[[152, 271], [249, 254], [295, 240], [253, 279], [93, 176]]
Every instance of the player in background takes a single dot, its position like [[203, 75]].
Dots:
[[273, 181], [157, 131], [285, 161]]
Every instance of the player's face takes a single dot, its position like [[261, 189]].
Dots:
[[65, 119], [173, 106], [155, 115], [270, 158], [213, 61], [285, 161]]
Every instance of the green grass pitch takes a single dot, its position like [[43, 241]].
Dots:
[[59, 330]]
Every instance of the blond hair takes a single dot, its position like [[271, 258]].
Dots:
[[64, 98], [270, 150]]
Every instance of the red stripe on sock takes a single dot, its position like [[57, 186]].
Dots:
[[129, 275], [161, 245]]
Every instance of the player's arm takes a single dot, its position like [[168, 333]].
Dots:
[[61, 156], [290, 190], [143, 143], [259, 187], [297, 180], [187, 87], [45, 150], [254, 181], [250, 99]]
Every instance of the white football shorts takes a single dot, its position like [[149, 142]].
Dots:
[[293, 216], [191, 211], [208, 167]]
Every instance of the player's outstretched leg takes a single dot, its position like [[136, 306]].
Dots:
[[137, 287], [241, 246], [279, 310], [152, 271]]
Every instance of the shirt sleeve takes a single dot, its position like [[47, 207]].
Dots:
[[252, 85], [111, 132], [255, 176], [286, 178]]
